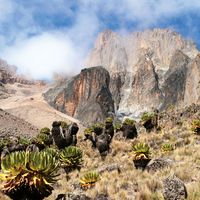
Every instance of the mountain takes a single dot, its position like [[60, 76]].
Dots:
[[86, 96], [147, 70], [8, 75]]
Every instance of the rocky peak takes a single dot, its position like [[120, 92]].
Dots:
[[154, 60], [142, 92], [8, 74], [86, 96], [192, 90], [175, 80]]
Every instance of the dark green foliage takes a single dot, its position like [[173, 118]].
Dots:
[[45, 130], [167, 147], [129, 121], [24, 141], [64, 124], [141, 151], [195, 126], [71, 157], [89, 179], [28, 175]]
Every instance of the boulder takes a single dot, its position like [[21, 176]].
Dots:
[[174, 189]]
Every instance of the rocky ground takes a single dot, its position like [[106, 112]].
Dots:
[[169, 174], [27, 103]]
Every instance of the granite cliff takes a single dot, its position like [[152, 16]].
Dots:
[[86, 96], [143, 70]]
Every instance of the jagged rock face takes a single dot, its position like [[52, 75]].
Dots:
[[144, 83], [175, 80], [192, 88], [86, 96], [148, 69], [8, 74]]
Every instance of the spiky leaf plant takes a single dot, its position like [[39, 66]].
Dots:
[[117, 127], [109, 120], [129, 121], [4, 142], [195, 126], [141, 151], [44, 139], [167, 147], [64, 124], [89, 179], [24, 141], [71, 157], [45, 130], [28, 175], [88, 130], [53, 151], [147, 116]]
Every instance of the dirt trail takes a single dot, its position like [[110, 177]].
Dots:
[[28, 103]]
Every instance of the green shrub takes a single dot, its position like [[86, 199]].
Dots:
[[195, 126], [28, 175], [89, 179], [146, 116], [141, 151], [71, 157], [64, 124], [129, 121], [45, 130], [167, 147]]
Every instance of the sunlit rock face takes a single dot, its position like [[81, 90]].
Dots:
[[150, 69], [86, 96]]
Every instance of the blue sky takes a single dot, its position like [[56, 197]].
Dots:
[[42, 37]]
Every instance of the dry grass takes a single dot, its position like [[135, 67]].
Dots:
[[135, 184]]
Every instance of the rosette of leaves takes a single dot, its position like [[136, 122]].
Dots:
[[44, 139], [28, 175], [141, 151], [45, 130], [71, 158], [195, 126], [52, 151], [117, 127], [141, 155], [149, 120], [4, 142], [97, 128], [129, 121], [109, 120], [167, 147], [64, 124], [24, 141], [89, 179]]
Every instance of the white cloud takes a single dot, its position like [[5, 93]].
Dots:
[[53, 49], [43, 55]]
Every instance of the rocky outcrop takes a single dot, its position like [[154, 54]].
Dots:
[[14, 126], [174, 189], [142, 91], [154, 68], [192, 88], [86, 96], [158, 164], [8, 74], [175, 80], [148, 70]]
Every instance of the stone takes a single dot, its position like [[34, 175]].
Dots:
[[109, 168], [86, 96], [138, 63], [174, 189], [158, 164]]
